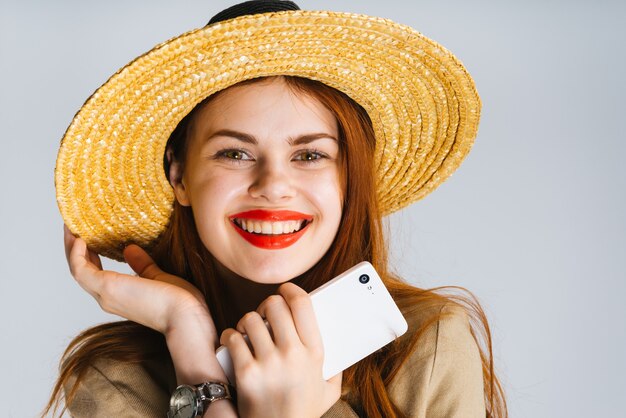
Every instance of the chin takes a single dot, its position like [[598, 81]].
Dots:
[[271, 273]]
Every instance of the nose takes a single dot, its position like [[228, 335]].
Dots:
[[272, 182]]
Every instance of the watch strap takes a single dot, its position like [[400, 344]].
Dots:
[[215, 391]]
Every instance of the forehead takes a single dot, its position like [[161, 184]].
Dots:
[[263, 106]]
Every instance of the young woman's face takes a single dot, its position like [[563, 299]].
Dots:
[[262, 178]]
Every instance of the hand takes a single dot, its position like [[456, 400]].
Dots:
[[153, 298], [158, 300], [282, 375]]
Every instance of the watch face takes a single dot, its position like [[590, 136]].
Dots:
[[183, 403]]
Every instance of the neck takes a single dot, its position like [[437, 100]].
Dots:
[[245, 294]]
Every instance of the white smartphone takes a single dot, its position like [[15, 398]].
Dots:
[[356, 316]]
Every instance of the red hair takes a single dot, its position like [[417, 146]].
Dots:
[[179, 251]]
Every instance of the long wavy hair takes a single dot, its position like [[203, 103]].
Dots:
[[180, 251]]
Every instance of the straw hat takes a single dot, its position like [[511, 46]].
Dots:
[[109, 177]]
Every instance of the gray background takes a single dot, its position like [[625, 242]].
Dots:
[[533, 222]]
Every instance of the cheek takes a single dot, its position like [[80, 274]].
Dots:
[[210, 196], [326, 191]]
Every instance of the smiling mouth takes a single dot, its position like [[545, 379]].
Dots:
[[271, 230], [258, 227]]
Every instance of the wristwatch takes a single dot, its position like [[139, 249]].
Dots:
[[191, 401]]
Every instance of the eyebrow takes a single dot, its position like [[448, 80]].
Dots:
[[250, 139]]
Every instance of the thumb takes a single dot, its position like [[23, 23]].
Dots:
[[145, 267], [335, 382], [334, 389], [141, 262]]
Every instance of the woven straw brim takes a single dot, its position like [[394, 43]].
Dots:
[[111, 187]]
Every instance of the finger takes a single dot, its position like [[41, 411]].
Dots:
[[121, 294], [114, 290], [278, 315], [237, 347], [141, 262], [68, 241], [334, 388], [94, 258], [335, 381], [83, 270], [303, 315], [259, 336]]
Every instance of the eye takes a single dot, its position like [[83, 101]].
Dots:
[[233, 154], [309, 156]]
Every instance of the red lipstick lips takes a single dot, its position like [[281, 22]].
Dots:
[[271, 241]]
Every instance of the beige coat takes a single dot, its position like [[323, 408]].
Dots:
[[443, 378]]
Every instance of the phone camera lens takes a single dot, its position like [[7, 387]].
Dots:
[[364, 278]]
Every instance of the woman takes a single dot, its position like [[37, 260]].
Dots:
[[250, 184]]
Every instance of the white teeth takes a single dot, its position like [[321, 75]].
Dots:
[[277, 228], [273, 228]]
